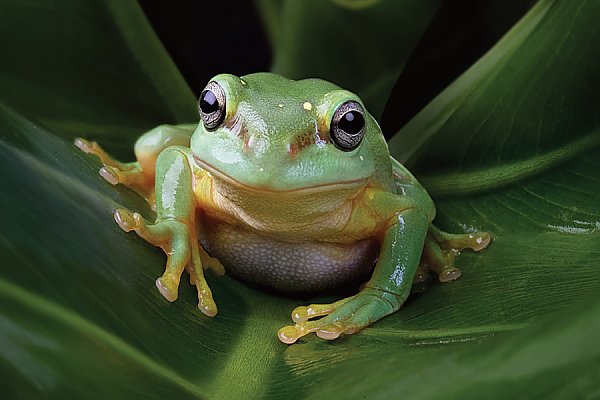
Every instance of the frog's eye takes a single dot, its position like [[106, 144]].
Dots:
[[348, 126], [211, 105]]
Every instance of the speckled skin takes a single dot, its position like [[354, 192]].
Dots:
[[288, 266], [273, 197]]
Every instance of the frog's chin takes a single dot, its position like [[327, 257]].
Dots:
[[322, 187]]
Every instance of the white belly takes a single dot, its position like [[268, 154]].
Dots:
[[289, 267]]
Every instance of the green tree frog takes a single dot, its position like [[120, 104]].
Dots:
[[288, 184]]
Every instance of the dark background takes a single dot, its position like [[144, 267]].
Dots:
[[208, 38]]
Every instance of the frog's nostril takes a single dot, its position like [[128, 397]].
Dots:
[[299, 142], [304, 139]]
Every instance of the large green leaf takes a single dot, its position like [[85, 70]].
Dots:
[[531, 102], [89, 67], [81, 317]]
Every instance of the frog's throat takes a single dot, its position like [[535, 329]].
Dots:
[[341, 185]]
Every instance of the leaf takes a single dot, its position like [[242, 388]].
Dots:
[[533, 94], [461, 32], [94, 68], [81, 317]]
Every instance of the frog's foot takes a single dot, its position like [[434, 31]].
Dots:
[[178, 241], [116, 172], [475, 241], [439, 261], [441, 249], [346, 316], [211, 263], [134, 178], [94, 148]]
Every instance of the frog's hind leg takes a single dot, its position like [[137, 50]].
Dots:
[[441, 248], [139, 175]]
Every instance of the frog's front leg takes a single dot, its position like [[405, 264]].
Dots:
[[383, 294], [175, 228], [139, 175]]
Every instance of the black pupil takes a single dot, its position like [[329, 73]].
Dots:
[[352, 122], [208, 102]]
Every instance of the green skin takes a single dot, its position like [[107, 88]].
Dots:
[[274, 147]]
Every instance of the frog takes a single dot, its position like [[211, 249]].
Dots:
[[290, 185]]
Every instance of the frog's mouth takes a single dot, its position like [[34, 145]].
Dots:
[[340, 185]]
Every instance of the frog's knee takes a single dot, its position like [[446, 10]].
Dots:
[[155, 140], [152, 143], [171, 154]]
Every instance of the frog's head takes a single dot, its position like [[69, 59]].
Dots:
[[266, 132]]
